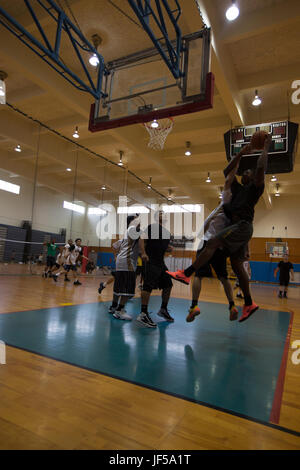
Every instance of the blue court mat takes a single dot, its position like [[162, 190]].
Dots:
[[228, 365]]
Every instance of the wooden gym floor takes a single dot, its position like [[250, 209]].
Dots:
[[46, 404]]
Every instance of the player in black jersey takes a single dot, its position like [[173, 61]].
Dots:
[[285, 268]]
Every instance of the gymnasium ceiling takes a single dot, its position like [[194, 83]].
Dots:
[[260, 50]]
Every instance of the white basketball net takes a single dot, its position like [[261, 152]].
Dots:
[[159, 134]]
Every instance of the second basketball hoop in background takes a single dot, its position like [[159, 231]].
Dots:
[[159, 131]]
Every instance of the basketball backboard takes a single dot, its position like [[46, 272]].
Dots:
[[140, 87]]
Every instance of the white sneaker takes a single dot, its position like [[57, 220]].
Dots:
[[122, 315]]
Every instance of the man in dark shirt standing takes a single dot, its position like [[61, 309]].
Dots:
[[284, 267], [154, 247], [235, 237]]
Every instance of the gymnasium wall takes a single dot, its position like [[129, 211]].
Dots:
[[48, 212], [285, 212]]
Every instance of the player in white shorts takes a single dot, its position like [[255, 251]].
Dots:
[[71, 255]]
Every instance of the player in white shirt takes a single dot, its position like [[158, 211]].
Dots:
[[125, 278], [71, 254], [61, 260], [115, 247]]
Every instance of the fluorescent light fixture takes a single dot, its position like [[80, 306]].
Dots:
[[76, 135], [208, 180], [93, 60], [96, 211], [18, 148], [257, 100], [150, 183], [274, 178], [232, 12], [103, 187], [182, 208], [9, 187], [68, 169], [154, 124], [133, 210], [277, 194], [74, 207]]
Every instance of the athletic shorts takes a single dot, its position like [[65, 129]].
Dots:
[[284, 280], [70, 267], [58, 265], [235, 238], [155, 277], [124, 284], [218, 261], [51, 261]]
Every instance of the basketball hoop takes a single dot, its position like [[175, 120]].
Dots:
[[159, 134]]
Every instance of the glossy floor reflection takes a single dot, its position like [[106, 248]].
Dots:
[[212, 361]]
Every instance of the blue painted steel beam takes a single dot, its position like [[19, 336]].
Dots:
[[143, 11], [51, 54]]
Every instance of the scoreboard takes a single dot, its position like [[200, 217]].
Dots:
[[282, 150]]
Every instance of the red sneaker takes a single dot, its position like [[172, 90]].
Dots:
[[193, 312], [248, 310], [234, 313], [180, 276]]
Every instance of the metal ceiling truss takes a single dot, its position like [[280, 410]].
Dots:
[[52, 53], [171, 54]]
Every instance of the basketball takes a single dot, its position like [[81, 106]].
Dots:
[[258, 140]]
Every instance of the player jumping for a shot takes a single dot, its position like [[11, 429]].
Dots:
[[235, 237]]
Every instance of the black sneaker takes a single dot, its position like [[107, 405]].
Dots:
[[55, 277], [101, 287], [145, 319], [165, 314], [280, 295], [67, 279], [285, 295], [45, 275], [50, 275], [77, 283]]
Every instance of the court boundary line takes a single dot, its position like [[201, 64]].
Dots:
[[277, 400], [175, 395]]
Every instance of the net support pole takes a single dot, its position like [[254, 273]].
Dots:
[[74, 192], [35, 175]]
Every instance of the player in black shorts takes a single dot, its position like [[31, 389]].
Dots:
[[285, 268], [153, 250], [235, 237]]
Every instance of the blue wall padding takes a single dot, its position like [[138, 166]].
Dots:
[[263, 271]]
